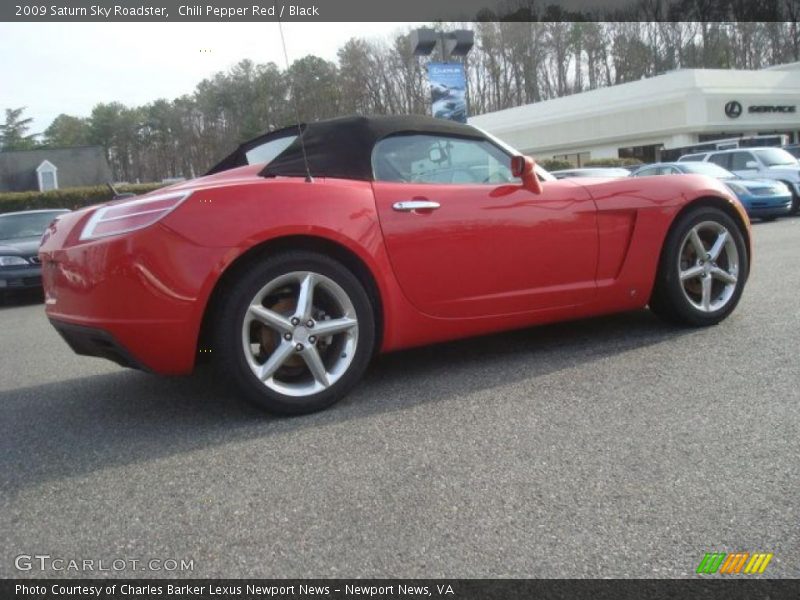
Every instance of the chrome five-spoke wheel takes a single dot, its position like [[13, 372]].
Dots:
[[703, 267], [708, 266], [295, 331], [300, 333]]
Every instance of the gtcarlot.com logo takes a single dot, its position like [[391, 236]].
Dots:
[[46, 562], [734, 563]]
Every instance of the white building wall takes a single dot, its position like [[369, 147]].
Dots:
[[671, 109]]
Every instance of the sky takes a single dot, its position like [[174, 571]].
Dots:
[[54, 68]]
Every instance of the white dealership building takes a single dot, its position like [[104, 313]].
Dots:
[[643, 118]]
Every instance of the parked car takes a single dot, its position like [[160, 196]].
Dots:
[[762, 163], [293, 261], [763, 198], [591, 172], [793, 149], [20, 234]]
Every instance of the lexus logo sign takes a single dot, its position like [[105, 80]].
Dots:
[[733, 109]]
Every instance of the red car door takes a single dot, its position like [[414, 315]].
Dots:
[[470, 241]]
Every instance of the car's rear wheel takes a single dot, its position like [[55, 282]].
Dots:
[[703, 269], [295, 332]]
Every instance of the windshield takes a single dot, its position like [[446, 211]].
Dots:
[[541, 173], [709, 169], [25, 225], [774, 157]]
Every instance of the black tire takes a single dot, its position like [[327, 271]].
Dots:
[[669, 300], [795, 198], [229, 352], [768, 219]]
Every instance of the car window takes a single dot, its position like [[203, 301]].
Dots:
[[647, 172], [691, 157], [776, 157], [722, 159], [739, 160], [25, 225], [541, 173], [658, 170], [266, 152], [710, 169], [599, 172], [440, 159]]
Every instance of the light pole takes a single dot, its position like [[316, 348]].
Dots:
[[452, 43]]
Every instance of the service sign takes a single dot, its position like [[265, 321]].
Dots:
[[734, 109]]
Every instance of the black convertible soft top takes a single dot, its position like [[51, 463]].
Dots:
[[341, 147]]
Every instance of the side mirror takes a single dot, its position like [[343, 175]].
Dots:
[[751, 164], [524, 167]]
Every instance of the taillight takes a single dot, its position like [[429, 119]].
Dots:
[[131, 215]]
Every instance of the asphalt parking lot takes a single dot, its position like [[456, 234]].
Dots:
[[613, 447]]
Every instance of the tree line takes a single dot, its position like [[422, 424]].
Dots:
[[512, 63]]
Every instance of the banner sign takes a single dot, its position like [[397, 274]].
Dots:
[[448, 91], [423, 11], [397, 589]]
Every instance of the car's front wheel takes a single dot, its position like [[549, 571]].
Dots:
[[295, 332], [703, 269], [795, 198]]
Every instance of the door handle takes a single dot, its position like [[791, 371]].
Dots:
[[412, 205]]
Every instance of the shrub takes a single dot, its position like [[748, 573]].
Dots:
[[612, 162], [71, 198], [555, 164]]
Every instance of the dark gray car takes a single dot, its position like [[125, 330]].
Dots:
[[20, 233]]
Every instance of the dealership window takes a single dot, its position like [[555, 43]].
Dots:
[[712, 137], [47, 174], [576, 160], [440, 159], [646, 154]]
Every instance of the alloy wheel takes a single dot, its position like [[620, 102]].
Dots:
[[708, 266], [300, 333]]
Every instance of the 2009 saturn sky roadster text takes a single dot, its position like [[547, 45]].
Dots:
[[311, 248]]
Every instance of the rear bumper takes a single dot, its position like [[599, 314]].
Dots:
[[92, 341], [136, 299], [21, 279]]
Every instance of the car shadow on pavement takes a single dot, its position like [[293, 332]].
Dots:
[[79, 426]]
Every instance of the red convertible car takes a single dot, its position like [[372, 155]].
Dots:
[[311, 248]]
